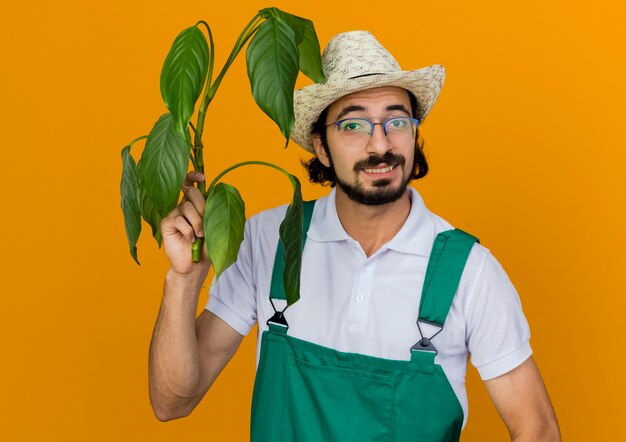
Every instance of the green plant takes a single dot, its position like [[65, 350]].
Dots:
[[281, 45]]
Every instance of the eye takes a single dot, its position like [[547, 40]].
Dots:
[[398, 123], [352, 125]]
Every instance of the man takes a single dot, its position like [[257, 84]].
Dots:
[[393, 298]]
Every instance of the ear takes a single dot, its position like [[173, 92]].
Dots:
[[320, 152]]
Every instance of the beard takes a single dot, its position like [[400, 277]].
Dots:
[[383, 192]]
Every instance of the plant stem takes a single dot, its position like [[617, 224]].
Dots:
[[209, 93], [196, 157], [207, 98], [211, 51], [196, 249], [137, 139], [194, 163], [244, 163], [210, 90], [245, 35], [198, 165]]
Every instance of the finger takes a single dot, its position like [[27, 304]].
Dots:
[[182, 226], [168, 224], [194, 196], [191, 178], [193, 218]]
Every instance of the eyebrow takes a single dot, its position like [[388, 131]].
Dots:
[[398, 107], [356, 108], [347, 110]]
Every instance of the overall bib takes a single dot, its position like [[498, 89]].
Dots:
[[304, 392]]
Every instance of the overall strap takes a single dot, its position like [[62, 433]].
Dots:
[[277, 289], [443, 274]]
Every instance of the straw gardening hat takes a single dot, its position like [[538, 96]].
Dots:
[[355, 61]]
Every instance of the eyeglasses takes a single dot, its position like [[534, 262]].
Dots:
[[356, 132]]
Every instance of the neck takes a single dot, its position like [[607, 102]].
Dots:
[[372, 226]]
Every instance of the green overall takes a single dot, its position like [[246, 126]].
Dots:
[[304, 392]]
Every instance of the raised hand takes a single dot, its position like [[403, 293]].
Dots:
[[182, 225]]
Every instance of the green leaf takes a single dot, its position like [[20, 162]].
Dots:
[[272, 60], [310, 59], [149, 214], [268, 13], [291, 236], [310, 62], [163, 165], [130, 193], [291, 20], [183, 75], [224, 219]]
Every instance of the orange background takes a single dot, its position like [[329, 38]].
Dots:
[[526, 152]]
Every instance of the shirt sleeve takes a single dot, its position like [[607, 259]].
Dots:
[[233, 296], [497, 331]]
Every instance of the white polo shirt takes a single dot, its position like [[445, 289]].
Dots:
[[353, 303]]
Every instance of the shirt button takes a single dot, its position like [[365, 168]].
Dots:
[[359, 298]]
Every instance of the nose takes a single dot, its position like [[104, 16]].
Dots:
[[378, 142]]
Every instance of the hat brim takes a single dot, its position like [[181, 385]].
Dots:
[[309, 102]]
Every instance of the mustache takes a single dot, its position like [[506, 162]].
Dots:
[[374, 160]]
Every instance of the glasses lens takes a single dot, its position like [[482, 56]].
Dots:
[[354, 131], [400, 130]]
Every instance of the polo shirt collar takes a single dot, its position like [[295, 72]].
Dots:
[[415, 237], [325, 225]]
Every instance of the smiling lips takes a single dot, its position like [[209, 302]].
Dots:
[[380, 164], [380, 170]]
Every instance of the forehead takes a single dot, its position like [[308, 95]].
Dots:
[[374, 100]]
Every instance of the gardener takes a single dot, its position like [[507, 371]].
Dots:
[[393, 298]]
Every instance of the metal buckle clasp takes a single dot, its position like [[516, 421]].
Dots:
[[278, 318], [425, 344]]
